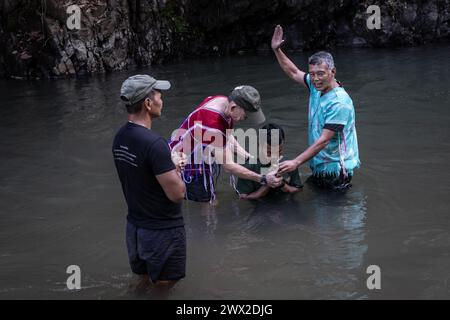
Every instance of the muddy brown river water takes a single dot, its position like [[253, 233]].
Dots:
[[61, 202]]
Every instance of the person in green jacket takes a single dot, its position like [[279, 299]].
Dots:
[[292, 183]]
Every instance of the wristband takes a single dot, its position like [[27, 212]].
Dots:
[[263, 180]]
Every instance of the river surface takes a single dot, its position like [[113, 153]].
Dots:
[[61, 203]]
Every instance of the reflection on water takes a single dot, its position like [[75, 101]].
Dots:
[[287, 246], [61, 202]]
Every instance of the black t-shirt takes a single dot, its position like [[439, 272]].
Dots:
[[140, 155]]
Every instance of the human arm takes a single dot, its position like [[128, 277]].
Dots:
[[336, 116], [286, 64], [236, 147], [309, 153], [290, 189], [160, 161], [179, 159], [173, 185], [260, 193], [225, 157]]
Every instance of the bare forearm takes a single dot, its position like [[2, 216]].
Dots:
[[260, 193], [290, 189], [236, 147], [242, 172], [173, 185], [310, 152], [288, 66]]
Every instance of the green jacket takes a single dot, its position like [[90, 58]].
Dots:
[[244, 186]]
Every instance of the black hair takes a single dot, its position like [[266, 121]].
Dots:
[[137, 107], [272, 126]]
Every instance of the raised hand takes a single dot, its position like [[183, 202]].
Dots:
[[277, 38]]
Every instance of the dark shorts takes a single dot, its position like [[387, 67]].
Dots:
[[159, 253], [196, 190], [332, 182]]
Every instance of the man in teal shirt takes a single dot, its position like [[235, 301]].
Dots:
[[333, 145]]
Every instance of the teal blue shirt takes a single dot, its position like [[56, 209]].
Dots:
[[333, 108]]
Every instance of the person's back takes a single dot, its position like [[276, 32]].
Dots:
[[139, 158], [153, 188], [204, 136]]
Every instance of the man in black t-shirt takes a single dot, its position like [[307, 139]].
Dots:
[[152, 187]]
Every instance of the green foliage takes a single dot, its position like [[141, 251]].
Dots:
[[173, 16]]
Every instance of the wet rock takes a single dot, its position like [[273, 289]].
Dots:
[[359, 42], [61, 69], [25, 56], [117, 34]]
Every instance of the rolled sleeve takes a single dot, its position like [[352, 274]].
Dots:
[[307, 80], [337, 114], [334, 127]]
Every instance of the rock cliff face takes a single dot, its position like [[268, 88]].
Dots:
[[114, 34], [312, 24], [36, 42]]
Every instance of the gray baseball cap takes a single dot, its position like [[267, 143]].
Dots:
[[137, 87], [248, 98]]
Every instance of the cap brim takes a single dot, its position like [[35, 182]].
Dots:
[[162, 85], [255, 118]]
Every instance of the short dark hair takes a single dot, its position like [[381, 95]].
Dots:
[[322, 57], [137, 107], [272, 126]]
